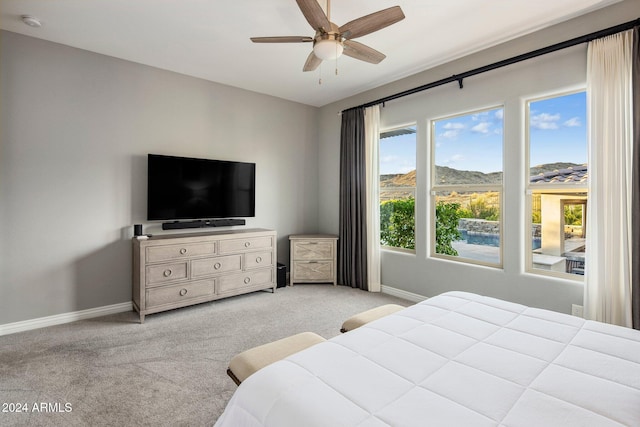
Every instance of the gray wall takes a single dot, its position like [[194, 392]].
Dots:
[[75, 131], [564, 70]]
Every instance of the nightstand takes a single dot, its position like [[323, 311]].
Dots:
[[313, 258]]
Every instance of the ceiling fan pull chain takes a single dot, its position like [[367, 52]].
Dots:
[[320, 74]]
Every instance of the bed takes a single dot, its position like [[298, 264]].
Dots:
[[455, 359]]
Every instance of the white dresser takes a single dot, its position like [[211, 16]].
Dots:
[[313, 258], [177, 270]]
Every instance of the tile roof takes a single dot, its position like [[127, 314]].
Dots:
[[574, 174]]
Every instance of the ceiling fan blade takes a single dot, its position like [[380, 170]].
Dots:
[[282, 39], [312, 62], [314, 14], [362, 52], [370, 23]]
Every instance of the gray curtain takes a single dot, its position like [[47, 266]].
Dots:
[[635, 188], [352, 243]]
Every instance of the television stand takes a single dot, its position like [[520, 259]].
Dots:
[[178, 270], [202, 223]]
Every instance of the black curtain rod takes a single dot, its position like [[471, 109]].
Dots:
[[545, 50]]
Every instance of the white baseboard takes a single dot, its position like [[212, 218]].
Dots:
[[402, 294], [59, 319]]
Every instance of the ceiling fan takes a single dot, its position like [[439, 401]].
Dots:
[[331, 41]]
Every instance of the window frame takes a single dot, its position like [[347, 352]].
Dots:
[[570, 189], [434, 188], [415, 189]]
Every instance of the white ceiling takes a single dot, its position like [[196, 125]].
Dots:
[[209, 39]]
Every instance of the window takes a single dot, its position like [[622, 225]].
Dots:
[[398, 188], [466, 187], [557, 185]]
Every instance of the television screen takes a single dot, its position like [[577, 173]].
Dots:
[[186, 188]]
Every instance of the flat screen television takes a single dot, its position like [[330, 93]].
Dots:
[[188, 188]]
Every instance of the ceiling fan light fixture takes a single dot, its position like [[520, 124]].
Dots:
[[328, 49]]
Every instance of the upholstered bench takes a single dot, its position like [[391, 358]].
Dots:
[[248, 362], [368, 316]]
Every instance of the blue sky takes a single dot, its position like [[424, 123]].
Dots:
[[558, 130], [474, 141]]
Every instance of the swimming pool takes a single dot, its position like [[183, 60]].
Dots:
[[488, 239]]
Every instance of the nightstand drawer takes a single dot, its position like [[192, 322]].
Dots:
[[258, 260], [176, 293], [313, 258], [248, 279], [163, 273], [319, 271], [167, 253], [310, 250], [242, 245], [211, 266]]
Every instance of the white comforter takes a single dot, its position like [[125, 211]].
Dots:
[[458, 359]]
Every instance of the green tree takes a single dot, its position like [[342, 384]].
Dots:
[[536, 217], [447, 227], [481, 209], [397, 223], [573, 214]]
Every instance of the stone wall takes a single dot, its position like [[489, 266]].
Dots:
[[479, 226], [482, 226]]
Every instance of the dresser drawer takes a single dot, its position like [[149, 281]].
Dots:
[[313, 271], [258, 260], [211, 266], [163, 273], [310, 250], [171, 252], [248, 279], [242, 245], [176, 293]]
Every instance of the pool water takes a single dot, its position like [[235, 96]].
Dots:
[[486, 239]]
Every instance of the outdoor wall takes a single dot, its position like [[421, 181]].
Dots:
[[561, 71], [75, 130]]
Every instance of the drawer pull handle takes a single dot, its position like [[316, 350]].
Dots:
[[183, 251], [168, 272], [183, 292], [259, 260], [247, 244], [247, 280], [217, 265]]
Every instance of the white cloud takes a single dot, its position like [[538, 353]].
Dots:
[[499, 114], [450, 134], [453, 160], [544, 121], [477, 116], [482, 127], [573, 122], [452, 125], [389, 159]]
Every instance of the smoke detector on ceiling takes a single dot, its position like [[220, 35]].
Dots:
[[31, 21]]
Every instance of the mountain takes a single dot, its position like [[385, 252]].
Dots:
[[446, 175]]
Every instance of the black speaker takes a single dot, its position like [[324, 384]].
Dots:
[[137, 229], [281, 276]]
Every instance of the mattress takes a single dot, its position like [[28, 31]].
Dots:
[[458, 359]]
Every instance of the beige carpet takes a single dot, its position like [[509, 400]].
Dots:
[[170, 371]]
